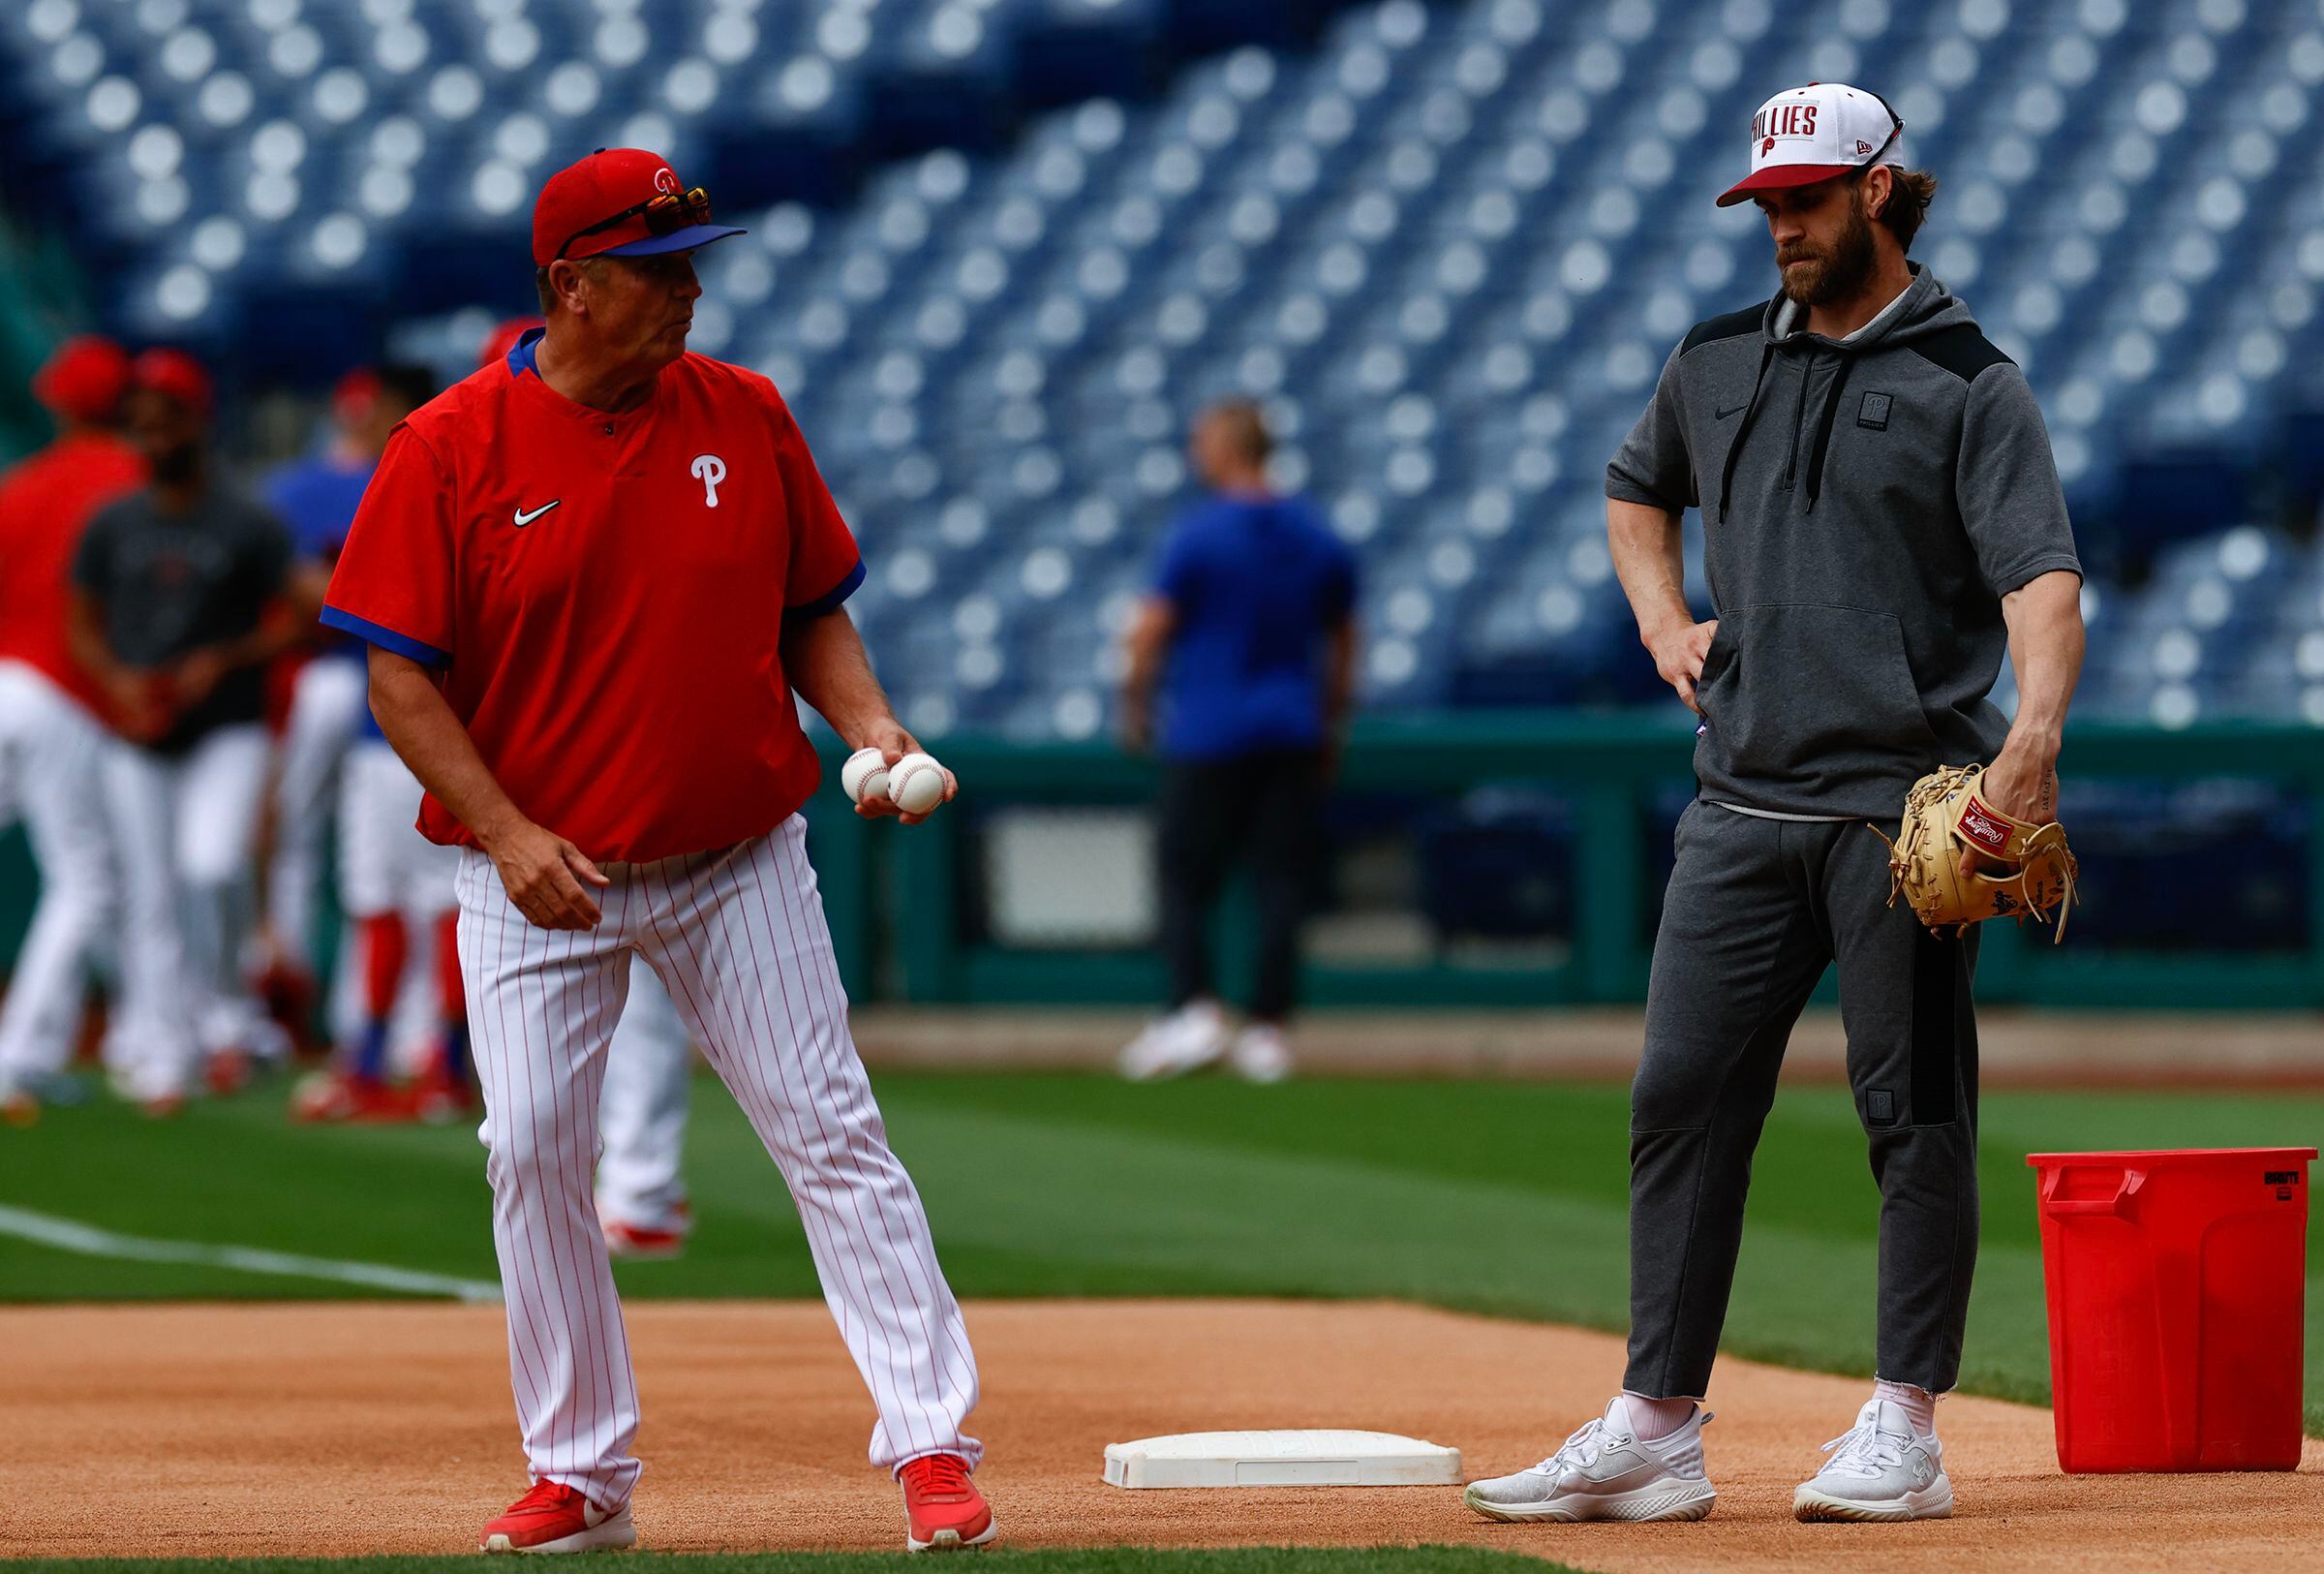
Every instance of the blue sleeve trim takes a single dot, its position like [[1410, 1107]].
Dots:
[[831, 600], [387, 639]]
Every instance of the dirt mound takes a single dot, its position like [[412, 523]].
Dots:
[[210, 1430]]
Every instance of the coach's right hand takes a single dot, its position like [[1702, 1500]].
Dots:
[[546, 876], [1679, 651]]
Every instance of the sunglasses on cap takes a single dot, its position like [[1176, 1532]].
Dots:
[[664, 212], [1896, 129]]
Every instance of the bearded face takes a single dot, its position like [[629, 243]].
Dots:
[[1823, 271]]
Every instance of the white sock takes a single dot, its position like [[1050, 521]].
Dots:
[[1654, 1419], [1918, 1404]]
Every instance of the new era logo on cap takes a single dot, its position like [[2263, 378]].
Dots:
[[1807, 134]]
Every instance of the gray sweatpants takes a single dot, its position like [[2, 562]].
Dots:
[[1754, 912]]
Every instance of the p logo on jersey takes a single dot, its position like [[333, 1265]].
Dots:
[[710, 470]]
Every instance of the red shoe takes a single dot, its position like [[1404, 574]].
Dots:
[[228, 1073], [942, 1509], [555, 1518], [440, 1100], [639, 1243], [336, 1096]]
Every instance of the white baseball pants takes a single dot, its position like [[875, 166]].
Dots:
[[739, 936], [49, 749], [327, 707], [185, 827], [642, 1115], [385, 864]]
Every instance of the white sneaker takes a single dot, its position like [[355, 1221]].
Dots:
[[1879, 1472], [1187, 1039], [1606, 1471], [1259, 1055]]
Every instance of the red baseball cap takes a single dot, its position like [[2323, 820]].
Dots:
[[611, 189], [84, 378], [175, 375], [503, 339], [355, 395]]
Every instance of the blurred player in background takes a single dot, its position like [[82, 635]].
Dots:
[[642, 1206], [395, 887], [316, 498], [184, 592], [1251, 630], [51, 739]]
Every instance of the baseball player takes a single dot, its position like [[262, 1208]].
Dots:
[[51, 739], [595, 577], [316, 498], [642, 1205], [183, 592], [1882, 521], [395, 886]]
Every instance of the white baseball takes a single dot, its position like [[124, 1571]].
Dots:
[[916, 784], [865, 774]]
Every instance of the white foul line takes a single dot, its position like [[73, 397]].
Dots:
[[68, 1235]]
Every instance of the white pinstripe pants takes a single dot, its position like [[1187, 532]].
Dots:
[[738, 935]]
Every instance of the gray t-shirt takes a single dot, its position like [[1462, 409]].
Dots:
[[169, 584]]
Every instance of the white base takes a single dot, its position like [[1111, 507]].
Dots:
[[1282, 1459]]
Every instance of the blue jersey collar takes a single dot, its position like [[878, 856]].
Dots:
[[521, 358]]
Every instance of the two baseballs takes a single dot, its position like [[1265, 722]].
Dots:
[[916, 784], [865, 774]]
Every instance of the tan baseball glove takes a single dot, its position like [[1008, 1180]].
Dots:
[[2022, 870]]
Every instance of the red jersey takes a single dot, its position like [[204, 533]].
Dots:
[[45, 503], [605, 595]]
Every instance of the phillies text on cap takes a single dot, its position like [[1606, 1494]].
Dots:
[[1807, 134]]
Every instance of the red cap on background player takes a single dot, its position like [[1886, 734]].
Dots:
[[354, 396], [84, 378], [174, 373], [620, 201], [1804, 134], [503, 339]]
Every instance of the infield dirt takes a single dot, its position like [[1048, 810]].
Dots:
[[243, 1430]]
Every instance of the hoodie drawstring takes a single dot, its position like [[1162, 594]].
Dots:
[[1824, 431], [1735, 450]]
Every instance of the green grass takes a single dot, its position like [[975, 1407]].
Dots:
[[1111, 1561], [1495, 1197]]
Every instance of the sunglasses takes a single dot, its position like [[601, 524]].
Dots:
[[1896, 129], [665, 212]]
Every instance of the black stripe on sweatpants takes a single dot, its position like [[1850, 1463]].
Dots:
[[1936, 1029]]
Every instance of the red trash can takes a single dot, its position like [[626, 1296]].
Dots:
[[2176, 1282]]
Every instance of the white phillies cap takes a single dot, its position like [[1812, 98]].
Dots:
[[1807, 134]]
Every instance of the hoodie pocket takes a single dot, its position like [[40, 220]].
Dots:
[[1802, 692]]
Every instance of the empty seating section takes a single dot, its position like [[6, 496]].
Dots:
[[1449, 245]]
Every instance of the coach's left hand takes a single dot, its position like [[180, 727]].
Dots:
[[889, 737]]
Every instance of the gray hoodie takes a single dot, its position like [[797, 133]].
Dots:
[[1866, 505]]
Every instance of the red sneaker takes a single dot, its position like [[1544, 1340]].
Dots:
[[440, 1101], [942, 1509], [639, 1243], [555, 1518]]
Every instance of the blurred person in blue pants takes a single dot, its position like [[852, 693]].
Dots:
[[1249, 639]]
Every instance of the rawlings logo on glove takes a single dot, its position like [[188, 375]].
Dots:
[[2023, 869]]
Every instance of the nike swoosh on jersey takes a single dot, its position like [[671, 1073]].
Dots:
[[523, 519], [1721, 415]]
